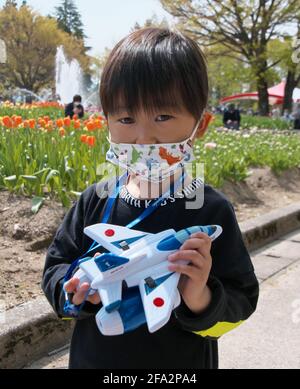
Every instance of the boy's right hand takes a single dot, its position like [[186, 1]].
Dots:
[[79, 295]]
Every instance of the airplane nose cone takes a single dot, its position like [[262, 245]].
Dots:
[[212, 231], [109, 324], [209, 230]]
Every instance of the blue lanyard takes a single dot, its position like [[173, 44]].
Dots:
[[148, 211], [152, 207]]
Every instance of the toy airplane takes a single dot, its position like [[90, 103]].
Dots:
[[139, 259]]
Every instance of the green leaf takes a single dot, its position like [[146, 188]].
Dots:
[[30, 178], [10, 178], [77, 194], [37, 202], [41, 172], [70, 171], [65, 199], [52, 174]]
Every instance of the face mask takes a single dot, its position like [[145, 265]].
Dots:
[[152, 162]]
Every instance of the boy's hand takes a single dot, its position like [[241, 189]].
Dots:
[[79, 295], [192, 284]]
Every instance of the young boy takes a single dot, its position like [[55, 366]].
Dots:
[[154, 91]]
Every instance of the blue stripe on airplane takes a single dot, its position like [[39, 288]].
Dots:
[[108, 261], [127, 240]]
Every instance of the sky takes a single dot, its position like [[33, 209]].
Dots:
[[106, 21]]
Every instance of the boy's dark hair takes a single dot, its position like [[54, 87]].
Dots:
[[77, 99], [154, 68]]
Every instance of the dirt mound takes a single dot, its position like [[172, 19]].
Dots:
[[24, 239], [263, 191], [19, 223]]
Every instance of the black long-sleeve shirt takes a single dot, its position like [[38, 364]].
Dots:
[[69, 110], [187, 340], [234, 116]]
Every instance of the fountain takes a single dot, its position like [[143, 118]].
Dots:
[[69, 77], [69, 82], [92, 102], [28, 92]]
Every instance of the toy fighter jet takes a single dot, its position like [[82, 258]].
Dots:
[[139, 259]]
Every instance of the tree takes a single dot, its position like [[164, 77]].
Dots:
[[31, 42], [69, 19], [10, 3], [282, 50], [245, 27], [225, 76], [151, 22], [293, 71]]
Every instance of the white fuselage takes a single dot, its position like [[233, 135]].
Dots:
[[142, 256]]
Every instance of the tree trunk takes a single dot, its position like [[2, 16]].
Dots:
[[288, 91], [263, 96]]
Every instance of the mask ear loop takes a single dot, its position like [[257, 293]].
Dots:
[[191, 138]]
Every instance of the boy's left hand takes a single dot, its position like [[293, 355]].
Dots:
[[193, 282]]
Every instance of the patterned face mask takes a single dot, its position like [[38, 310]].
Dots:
[[152, 162]]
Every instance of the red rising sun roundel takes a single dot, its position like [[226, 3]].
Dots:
[[158, 302], [109, 233]]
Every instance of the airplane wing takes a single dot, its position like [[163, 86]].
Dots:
[[160, 296], [116, 239]]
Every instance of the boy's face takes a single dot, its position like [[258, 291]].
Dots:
[[165, 126]]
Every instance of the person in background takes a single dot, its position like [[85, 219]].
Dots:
[[287, 116], [54, 97], [232, 118], [75, 108], [28, 99], [297, 118], [275, 113]]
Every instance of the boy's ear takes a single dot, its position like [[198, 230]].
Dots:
[[206, 120]]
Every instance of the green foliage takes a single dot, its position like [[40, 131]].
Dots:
[[69, 19], [234, 153], [258, 122], [31, 44], [245, 28], [28, 113]]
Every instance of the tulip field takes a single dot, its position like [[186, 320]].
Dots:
[[45, 155]]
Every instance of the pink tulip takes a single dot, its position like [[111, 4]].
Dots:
[[210, 145]]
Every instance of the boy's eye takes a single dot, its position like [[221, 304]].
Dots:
[[166, 117], [125, 119], [163, 119]]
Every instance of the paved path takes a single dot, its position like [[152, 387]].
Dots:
[[270, 339], [271, 336]]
